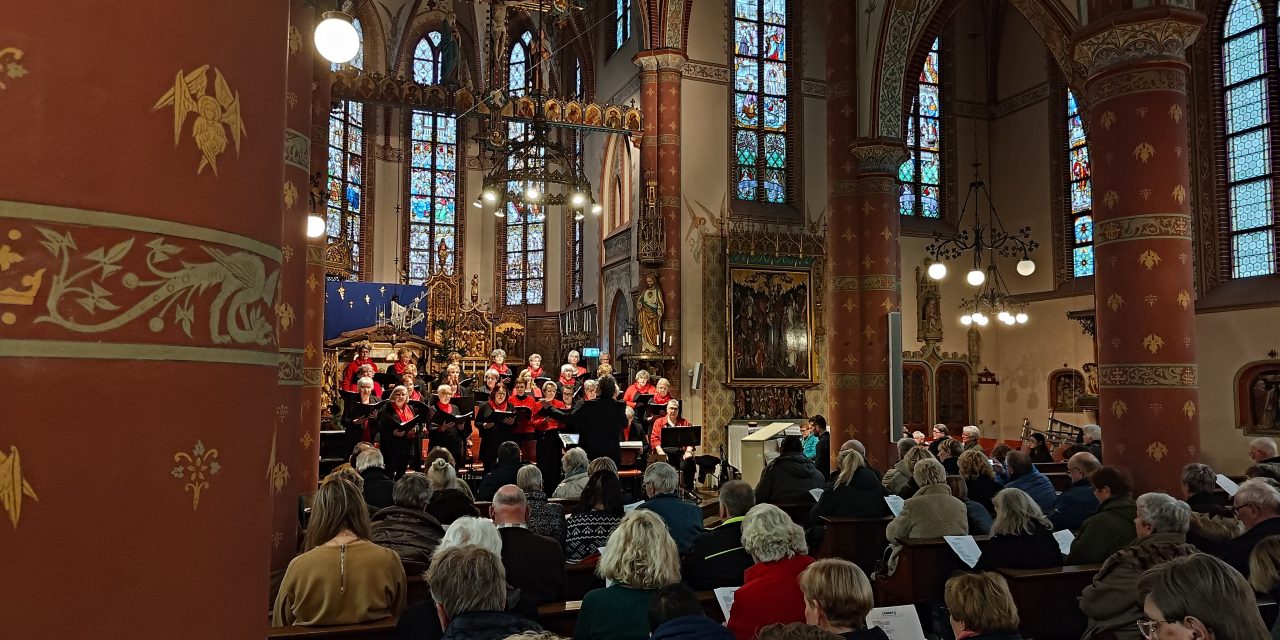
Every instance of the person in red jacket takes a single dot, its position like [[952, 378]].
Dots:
[[770, 592], [567, 376], [662, 392], [640, 386], [350, 375], [524, 431], [672, 418]]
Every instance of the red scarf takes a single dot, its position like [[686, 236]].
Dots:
[[500, 368], [405, 413], [447, 408], [536, 373]]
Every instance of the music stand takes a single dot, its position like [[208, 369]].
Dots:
[[679, 437]]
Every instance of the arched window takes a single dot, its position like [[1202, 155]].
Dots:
[[761, 95], [621, 23], [524, 231], [921, 175], [1080, 186], [346, 169], [1251, 171], [432, 228], [575, 218]]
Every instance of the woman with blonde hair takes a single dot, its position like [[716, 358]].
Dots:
[[979, 478], [981, 607], [837, 599], [770, 591], [931, 513], [343, 577], [856, 493], [1021, 536], [639, 558], [448, 502]]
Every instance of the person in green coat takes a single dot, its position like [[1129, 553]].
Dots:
[[639, 558], [1111, 528]]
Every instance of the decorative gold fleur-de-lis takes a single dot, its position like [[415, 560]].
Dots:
[[1145, 193], [1115, 301], [1142, 112], [1111, 198], [1157, 450], [290, 194], [13, 486], [1179, 193], [1115, 343], [1120, 448], [1149, 259], [1108, 119], [1144, 151], [1189, 409], [1119, 408], [1175, 112], [1153, 343], [196, 468], [1151, 299], [849, 305], [1184, 299]]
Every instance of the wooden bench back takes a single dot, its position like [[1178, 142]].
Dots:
[[858, 540], [1051, 467], [1060, 481], [1046, 600], [561, 617], [924, 565], [385, 628]]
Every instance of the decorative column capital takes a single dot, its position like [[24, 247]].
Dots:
[[878, 156], [660, 59], [1158, 34]]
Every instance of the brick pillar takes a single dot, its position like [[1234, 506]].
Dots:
[[1144, 290], [140, 258], [313, 318], [660, 79]]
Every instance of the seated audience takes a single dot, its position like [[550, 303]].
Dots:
[[1111, 528], [837, 599], [447, 502], [405, 527], [342, 577], [979, 478], [603, 463], [914, 457], [598, 513], [856, 493], [545, 518], [468, 589], [684, 519], [1038, 449], [718, 558], [1264, 451], [999, 454], [1092, 436], [790, 477], [502, 474], [1267, 470], [443, 454], [1257, 505], [1161, 527], [980, 519], [822, 452], [1264, 572], [969, 436], [809, 441], [1024, 475], [896, 478], [675, 613], [939, 436], [949, 455], [1077, 502], [1021, 536], [1198, 597], [932, 513], [770, 592], [377, 482], [574, 465], [794, 631], [534, 563], [856, 445], [981, 607], [1200, 490], [639, 558]]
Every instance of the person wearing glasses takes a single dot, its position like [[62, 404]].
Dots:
[[1077, 502], [1257, 505], [1198, 597], [1161, 528]]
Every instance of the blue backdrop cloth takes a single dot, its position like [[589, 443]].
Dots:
[[355, 305]]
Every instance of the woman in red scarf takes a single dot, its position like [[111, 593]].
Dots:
[[491, 378], [494, 431], [445, 433], [498, 362], [524, 431], [568, 376], [640, 387], [547, 429], [578, 370], [410, 381], [354, 422], [403, 363], [350, 375], [535, 366], [397, 441]]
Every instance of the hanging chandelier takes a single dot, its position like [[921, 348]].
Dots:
[[985, 242]]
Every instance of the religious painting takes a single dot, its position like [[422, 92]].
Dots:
[[1066, 388], [1258, 398], [770, 325]]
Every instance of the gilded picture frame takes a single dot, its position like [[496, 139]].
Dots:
[[771, 324]]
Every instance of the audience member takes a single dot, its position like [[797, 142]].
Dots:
[[342, 577], [1256, 504], [1092, 436], [534, 563], [856, 445], [1161, 527], [822, 452], [1024, 475], [1263, 451], [949, 455], [468, 588], [1200, 489], [442, 453], [914, 457], [1077, 502], [602, 463], [837, 599], [1268, 470], [970, 436], [598, 513], [1198, 597], [1264, 572], [639, 558], [899, 474], [932, 513], [545, 517], [447, 502], [377, 482], [770, 592], [684, 519], [675, 613], [718, 558], [856, 492], [1111, 528], [503, 473], [790, 477], [979, 478], [1021, 536], [794, 631], [999, 454], [574, 465], [809, 441], [406, 527], [981, 607], [980, 519], [1039, 449]]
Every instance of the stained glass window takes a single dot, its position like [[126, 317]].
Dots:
[[920, 177], [346, 168], [761, 92], [1250, 167], [621, 23], [1080, 189], [427, 59], [432, 226], [525, 247], [576, 226]]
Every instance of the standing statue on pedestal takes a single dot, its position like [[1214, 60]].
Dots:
[[649, 316]]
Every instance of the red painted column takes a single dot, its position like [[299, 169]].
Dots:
[[1144, 289], [313, 318], [140, 261]]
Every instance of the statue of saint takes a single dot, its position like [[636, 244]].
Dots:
[[649, 316], [1090, 379]]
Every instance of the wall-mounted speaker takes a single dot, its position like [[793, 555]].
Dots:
[[696, 375]]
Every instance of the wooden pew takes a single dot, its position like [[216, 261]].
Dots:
[[799, 512], [1060, 481], [385, 628], [924, 565], [418, 591], [581, 578], [1046, 600], [561, 617], [1052, 467], [858, 540]]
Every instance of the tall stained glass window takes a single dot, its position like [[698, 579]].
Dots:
[[919, 192], [1250, 167], [525, 228], [346, 168], [621, 23], [761, 86], [433, 225], [1080, 187], [576, 224]]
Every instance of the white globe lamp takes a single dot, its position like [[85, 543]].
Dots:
[[315, 226], [1026, 267], [336, 37], [937, 271], [976, 277]]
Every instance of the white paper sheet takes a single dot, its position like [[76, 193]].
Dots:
[[816, 493], [628, 508], [966, 548], [1228, 485], [899, 623], [1064, 538], [895, 504], [724, 595]]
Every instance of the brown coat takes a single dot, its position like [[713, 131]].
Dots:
[[1111, 601], [932, 513], [354, 583]]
